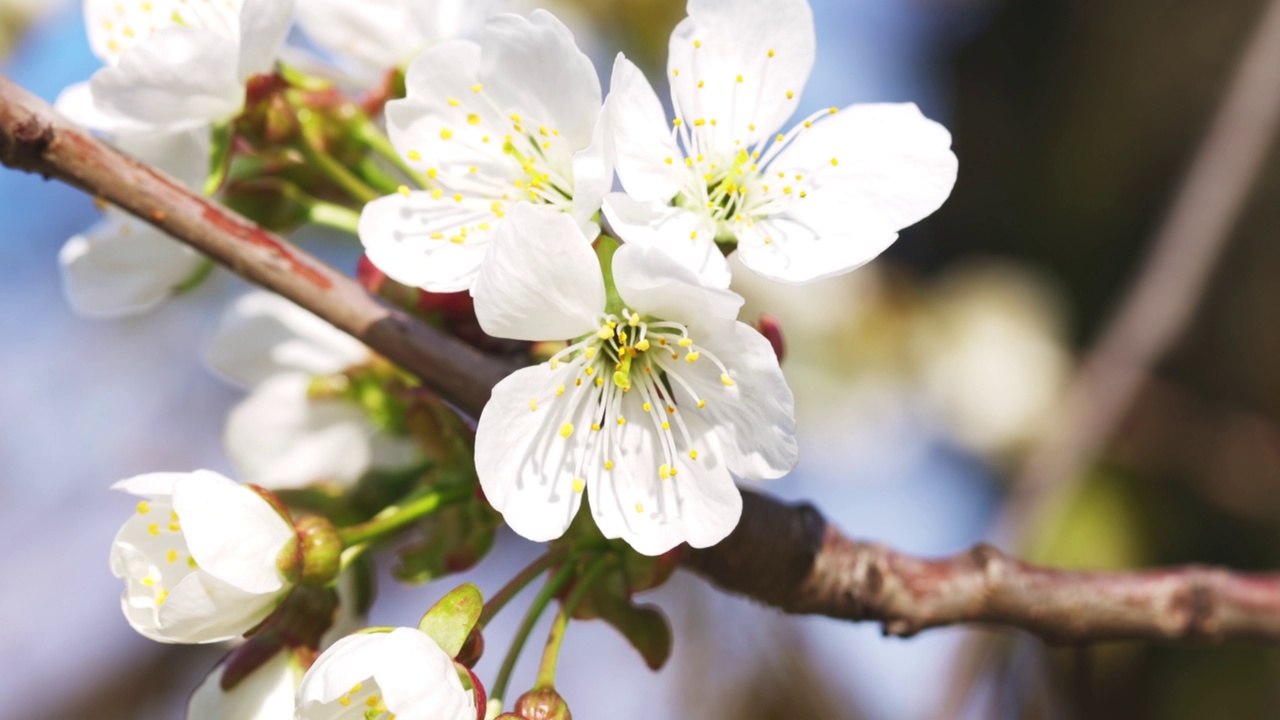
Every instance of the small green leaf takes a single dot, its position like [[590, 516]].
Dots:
[[644, 626], [450, 621]]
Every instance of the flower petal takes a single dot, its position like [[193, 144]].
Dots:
[[234, 534], [266, 694], [641, 140], [416, 241], [178, 78], [743, 63], [204, 609], [349, 661], [263, 334], [688, 237], [698, 504], [783, 249], [150, 485], [418, 679], [592, 179], [377, 35], [755, 416], [263, 26], [651, 282], [883, 161], [279, 438], [525, 462], [531, 66], [541, 279], [123, 266]]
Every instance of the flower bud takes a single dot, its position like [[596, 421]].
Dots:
[[321, 550], [543, 704]]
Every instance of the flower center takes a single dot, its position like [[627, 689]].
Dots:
[[363, 702], [162, 544]]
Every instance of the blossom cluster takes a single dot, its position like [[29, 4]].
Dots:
[[491, 202]]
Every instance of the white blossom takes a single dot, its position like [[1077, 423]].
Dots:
[[402, 674], [180, 64], [511, 119], [659, 397], [267, 693], [820, 199], [282, 436], [375, 36], [199, 557]]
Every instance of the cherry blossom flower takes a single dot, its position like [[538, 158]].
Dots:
[[507, 120], [659, 397], [402, 674], [284, 436], [820, 199], [267, 693], [199, 557]]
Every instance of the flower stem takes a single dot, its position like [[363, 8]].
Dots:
[[518, 583], [334, 216], [398, 516], [531, 617], [551, 655], [336, 171]]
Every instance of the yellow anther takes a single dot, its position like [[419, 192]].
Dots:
[[833, 111], [622, 421], [457, 198], [677, 122], [622, 336], [566, 430], [148, 581], [403, 190], [702, 403], [835, 162], [728, 381], [516, 118], [693, 454], [542, 130], [560, 391], [144, 507], [676, 72], [643, 345], [697, 43], [634, 320], [415, 155], [437, 194], [533, 404], [595, 427], [685, 342], [771, 53], [191, 562], [446, 134], [666, 425], [780, 137], [608, 464], [599, 381], [639, 509], [454, 102], [372, 701], [739, 78], [579, 485], [174, 527], [671, 410], [589, 353], [473, 119], [477, 88], [605, 332], [153, 529], [692, 357], [172, 556], [664, 472], [432, 173], [355, 690], [648, 407], [345, 701], [700, 84], [669, 161], [161, 597], [790, 95]]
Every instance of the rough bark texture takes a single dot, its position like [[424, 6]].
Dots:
[[785, 556]]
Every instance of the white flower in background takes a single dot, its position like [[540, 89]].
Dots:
[[199, 557], [280, 436], [122, 265], [178, 64], [267, 693], [508, 120], [378, 35], [820, 199], [401, 674], [648, 411]]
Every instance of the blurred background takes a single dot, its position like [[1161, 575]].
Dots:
[[922, 380]]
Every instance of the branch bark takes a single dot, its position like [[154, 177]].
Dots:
[[785, 556]]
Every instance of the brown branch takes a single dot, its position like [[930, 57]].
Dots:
[[785, 556]]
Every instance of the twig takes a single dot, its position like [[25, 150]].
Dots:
[[785, 556]]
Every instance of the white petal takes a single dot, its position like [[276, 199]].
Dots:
[[178, 78], [531, 66], [117, 26], [641, 139], [688, 237], [233, 533], [418, 679], [397, 233], [783, 249], [76, 103], [895, 167], [724, 40], [447, 19], [699, 504], [263, 334], [263, 26], [349, 661], [123, 266], [150, 485], [592, 179], [525, 464], [183, 154], [541, 279], [266, 694], [376, 34], [204, 609], [651, 282], [281, 439], [755, 417]]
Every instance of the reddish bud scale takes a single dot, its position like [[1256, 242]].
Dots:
[[478, 688], [261, 87], [369, 276], [297, 625], [771, 329], [472, 650], [542, 704]]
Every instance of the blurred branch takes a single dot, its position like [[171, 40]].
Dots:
[[785, 556], [1164, 296]]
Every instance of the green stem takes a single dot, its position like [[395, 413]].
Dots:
[[531, 617], [399, 516], [551, 655], [334, 216], [335, 171], [518, 583], [377, 141], [375, 175]]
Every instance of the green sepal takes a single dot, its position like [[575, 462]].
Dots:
[[605, 248], [223, 139], [450, 621]]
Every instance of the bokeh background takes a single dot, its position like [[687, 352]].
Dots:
[[922, 381]]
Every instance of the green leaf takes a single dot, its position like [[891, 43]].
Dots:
[[644, 626], [224, 135], [450, 621], [454, 539]]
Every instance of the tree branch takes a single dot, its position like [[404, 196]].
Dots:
[[789, 557]]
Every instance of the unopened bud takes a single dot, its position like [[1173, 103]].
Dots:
[[320, 548], [544, 704]]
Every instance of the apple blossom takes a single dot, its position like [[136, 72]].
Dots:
[[267, 693], [283, 435], [507, 120], [659, 397], [820, 199], [199, 557], [400, 674]]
